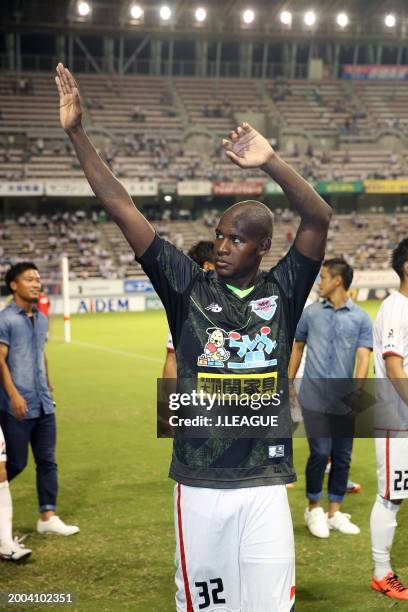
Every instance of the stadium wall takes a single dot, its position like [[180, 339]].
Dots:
[[137, 295]]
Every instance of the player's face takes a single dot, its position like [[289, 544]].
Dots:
[[328, 283], [27, 286], [236, 254]]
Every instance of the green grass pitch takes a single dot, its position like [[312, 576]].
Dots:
[[113, 483]]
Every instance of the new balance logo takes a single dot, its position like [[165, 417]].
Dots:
[[214, 307]]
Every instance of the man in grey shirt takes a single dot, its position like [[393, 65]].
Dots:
[[26, 404], [338, 335]]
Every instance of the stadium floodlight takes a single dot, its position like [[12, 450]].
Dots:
[[83, 9], [201, 14], [310, 18], [390, 20], [165, 12], [342, 20], [136, 11], [248, 16], [285, 17]]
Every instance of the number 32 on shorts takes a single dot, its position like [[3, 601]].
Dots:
[[210, 592]]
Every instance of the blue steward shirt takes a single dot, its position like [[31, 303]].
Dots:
[[26, 337], [332, 336]]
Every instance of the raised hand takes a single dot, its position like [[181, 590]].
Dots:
[[247, 148], [70, 105]]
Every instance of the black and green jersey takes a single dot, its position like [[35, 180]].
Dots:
[[230, 344]]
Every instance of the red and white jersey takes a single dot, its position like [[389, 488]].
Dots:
[[43, 304], [390, 333], [170, 345]]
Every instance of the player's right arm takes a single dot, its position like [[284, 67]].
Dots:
[[394, 365], [109, 191], [17, 401]]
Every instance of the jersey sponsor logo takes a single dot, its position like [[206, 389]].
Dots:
[[276, 451], [390, 334], [254, 351], [215, 353], [240, 384], [214, 307], [265, 308]]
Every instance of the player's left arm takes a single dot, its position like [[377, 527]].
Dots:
[[47, 373], [248, 149], [364, 348]]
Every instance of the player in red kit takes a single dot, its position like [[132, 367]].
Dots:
[[43, 304]]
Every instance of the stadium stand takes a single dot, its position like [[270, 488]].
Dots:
[[147, 121], [141, 125], [98, 249]]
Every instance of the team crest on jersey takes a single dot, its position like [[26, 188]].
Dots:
[[214, 307], [255, 352], [215, 353], [265, 308]]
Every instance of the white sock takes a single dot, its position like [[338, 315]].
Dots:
[[383, 522], [6, 514]]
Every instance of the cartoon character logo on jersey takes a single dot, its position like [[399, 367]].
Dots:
[[214, 354], [265, 308], [254, 352]]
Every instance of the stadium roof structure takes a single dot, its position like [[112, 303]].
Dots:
[[110, 17]]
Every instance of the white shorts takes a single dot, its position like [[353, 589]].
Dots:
[[234, 550], [3, 456], [392, 467]]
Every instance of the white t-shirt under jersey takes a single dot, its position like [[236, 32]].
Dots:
[[390, 333]]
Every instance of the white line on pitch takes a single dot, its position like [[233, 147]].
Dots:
[[113, 351]]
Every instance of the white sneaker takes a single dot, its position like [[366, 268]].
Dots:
[[316, 522], [15, 551], [341, 522], [55, 526]]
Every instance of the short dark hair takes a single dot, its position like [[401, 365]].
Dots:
[[399, 257], [339, 266], [201, 252], [16, 270]]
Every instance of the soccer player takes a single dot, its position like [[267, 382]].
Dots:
[[26, 404], [10, 550], [235, 324], [203, 254], [391, 362]]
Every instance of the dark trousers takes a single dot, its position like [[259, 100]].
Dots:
[[332, 444], [41, 433]]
